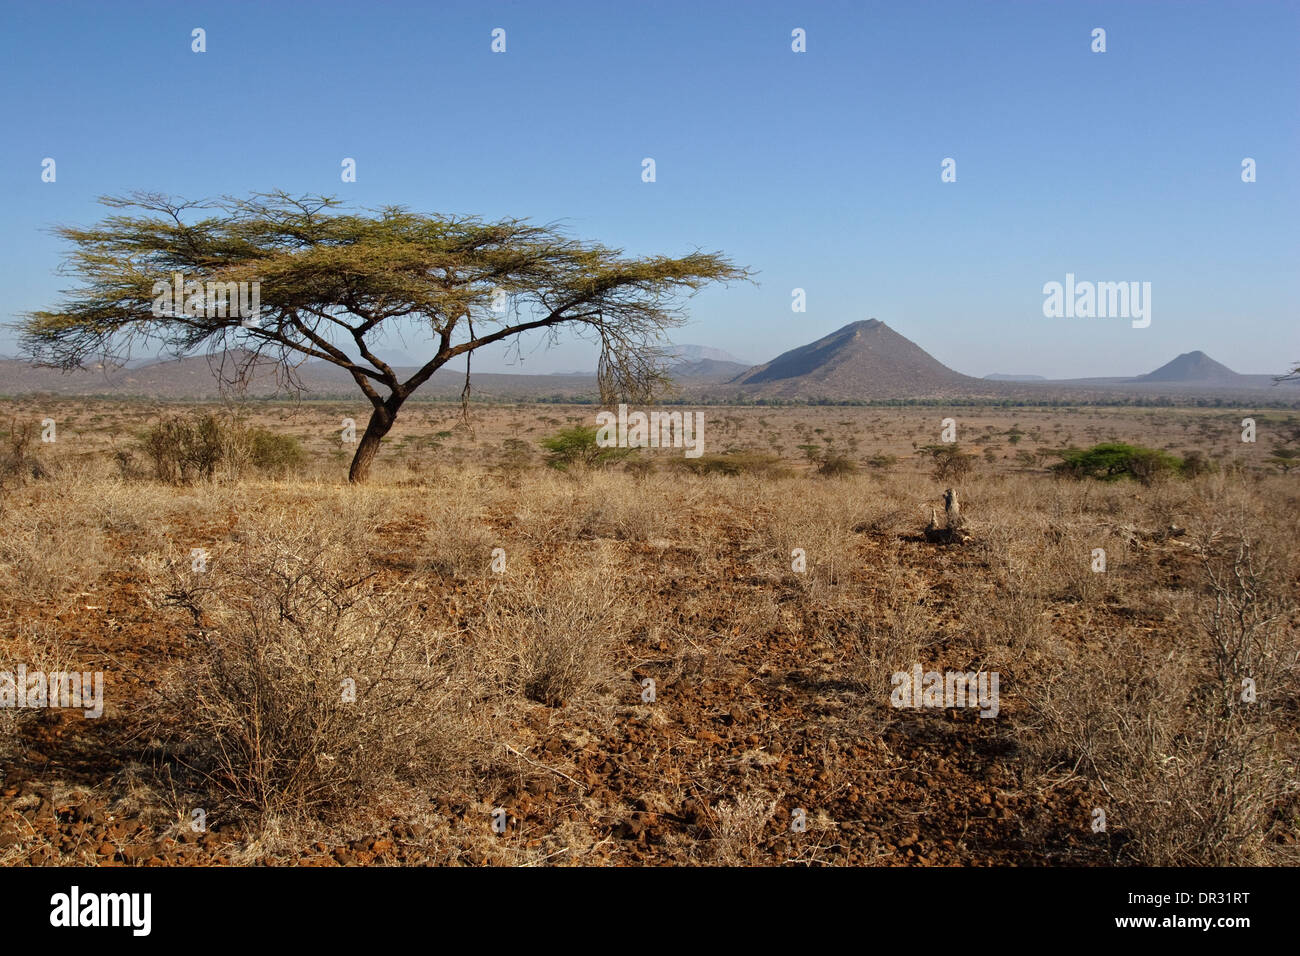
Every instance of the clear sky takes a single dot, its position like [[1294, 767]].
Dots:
[[819, 170]]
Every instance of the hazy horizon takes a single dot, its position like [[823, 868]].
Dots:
[[395, 358]]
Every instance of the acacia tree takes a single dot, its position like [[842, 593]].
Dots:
[[332, 284]]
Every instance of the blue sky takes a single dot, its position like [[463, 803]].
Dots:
[[819, 170]]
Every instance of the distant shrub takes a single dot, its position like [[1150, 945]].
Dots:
[[1195, 463], [836, 466], [274, 453], [1284, 459], [950, 463], [515, 455], [186, 448], [829, 464], [640, 467], [737, 463], [576, 445], [1111, 461], [882, 461]]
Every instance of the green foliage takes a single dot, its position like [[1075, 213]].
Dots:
[[737, 463], [273, 453], [950, 463], [576, 445], [1111, 461]]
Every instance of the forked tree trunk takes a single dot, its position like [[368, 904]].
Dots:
[[381, 420]]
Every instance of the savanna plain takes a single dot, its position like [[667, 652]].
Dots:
[[510, 647]]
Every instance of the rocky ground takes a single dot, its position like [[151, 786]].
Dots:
[[772, 684]]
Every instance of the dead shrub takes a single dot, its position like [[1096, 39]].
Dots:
[[19, 462], [312, 689], [884, 519], [1007, 624], [737, 831], [49, 547], [194, 447], [460, 542]]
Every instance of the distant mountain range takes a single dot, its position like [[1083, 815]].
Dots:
[[862, 361], [202, 378], [697, 363], [685, 354]]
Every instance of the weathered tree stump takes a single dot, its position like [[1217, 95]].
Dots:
[[953, 530]]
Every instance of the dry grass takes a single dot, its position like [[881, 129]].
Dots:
[[311, 688], [1190, 769], [477, 689], [38, 647]]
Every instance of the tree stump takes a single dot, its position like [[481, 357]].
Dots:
[[951, 508], [953, 530]]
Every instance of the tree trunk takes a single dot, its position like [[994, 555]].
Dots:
[[381, 420]]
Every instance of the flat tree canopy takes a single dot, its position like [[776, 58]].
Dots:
[[328, 281]]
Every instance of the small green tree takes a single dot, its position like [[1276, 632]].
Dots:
[[577, 446], [1112, 461], [950, 463]]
